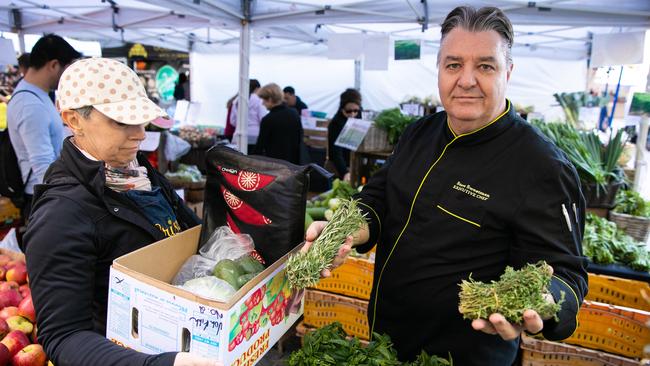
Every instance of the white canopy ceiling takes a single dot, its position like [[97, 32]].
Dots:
[[549, 28]]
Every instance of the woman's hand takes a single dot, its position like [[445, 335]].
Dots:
[[188, 359]]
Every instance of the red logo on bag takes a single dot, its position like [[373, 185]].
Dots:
[[243, 211], [245, 180]]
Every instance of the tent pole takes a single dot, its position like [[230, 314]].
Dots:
[[21, 41], [241, 132], [357, 75], [618, 88]]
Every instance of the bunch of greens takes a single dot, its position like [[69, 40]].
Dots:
[[329, 346], [604, 243], [595, 162], [572, 102], [303, 268], [511, 295], [394, 123], [185, 173], [630, 202]]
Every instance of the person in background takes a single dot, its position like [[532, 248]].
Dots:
[[100, 200], [349, 107], [35, 126], [293, 100], [23, 65], [280, 130], [182, 88], [229, 130], [256, 111]]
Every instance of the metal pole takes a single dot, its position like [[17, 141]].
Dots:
[[357, 75], [640, 164], [241, 132], [21, 41]]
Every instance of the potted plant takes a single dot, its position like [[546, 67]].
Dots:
[[632, 214]]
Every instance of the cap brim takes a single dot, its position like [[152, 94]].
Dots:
[[134, 111]]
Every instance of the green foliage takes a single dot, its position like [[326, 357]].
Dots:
[[604, 243], [394, 123], [511, 295], [328, 346], [303, 268], [640, 103], [407, 50], [596, 163], [572, 102], [630, 202]]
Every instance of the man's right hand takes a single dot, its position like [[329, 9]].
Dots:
[[313, 232], [188, 359]]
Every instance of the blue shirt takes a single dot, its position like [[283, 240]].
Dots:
[[36, 131], [156, 208]]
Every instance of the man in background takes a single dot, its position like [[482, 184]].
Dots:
[[35, 126], [292, 100]]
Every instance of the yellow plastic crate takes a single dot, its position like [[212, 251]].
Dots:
[[618, 291], [352, 278], [611, 328], [537, 352], [322, 308]]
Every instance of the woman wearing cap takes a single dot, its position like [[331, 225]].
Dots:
[[349, 107], [99, 200]]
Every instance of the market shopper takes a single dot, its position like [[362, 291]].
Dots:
[[469, 191], [100, 200], [280, 130], [35, 127], [349, 107], [292, 100], [256, 111]]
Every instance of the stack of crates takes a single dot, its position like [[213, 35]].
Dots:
[[613, 328], [343, 298]]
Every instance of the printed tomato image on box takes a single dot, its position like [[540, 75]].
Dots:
[[148, 314]]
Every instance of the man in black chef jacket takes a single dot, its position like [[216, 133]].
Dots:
[[470, 190]]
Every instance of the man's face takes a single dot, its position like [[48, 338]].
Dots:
[[56, 70], [290, 99], [472, 77]]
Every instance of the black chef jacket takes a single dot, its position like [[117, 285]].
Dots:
[[445, 206]]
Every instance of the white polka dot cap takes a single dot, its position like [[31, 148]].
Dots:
[[111, 87]]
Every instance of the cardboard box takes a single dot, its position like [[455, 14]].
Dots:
[[148, 314]]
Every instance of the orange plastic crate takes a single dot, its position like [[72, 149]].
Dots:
[[613, 329], [537, 352], [352, 278], [618, 291], [322, 308]]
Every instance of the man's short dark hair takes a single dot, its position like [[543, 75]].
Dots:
[[480, 20], [52, 47], [23, 60], [289, 90]]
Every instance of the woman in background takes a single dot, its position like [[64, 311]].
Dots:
[[280, 130], [349, 107]]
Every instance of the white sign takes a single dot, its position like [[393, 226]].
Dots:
[[353, 133]]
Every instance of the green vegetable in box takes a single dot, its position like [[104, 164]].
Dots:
[[630, 202], [316, 213], [394, 122], [249, 264], [229, 271]]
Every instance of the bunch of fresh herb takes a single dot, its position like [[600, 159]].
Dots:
[[394, 123], [630, 202], [329, 346], [303, 268], [604, 243], [511, 295]]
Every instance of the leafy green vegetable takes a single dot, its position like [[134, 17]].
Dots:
[[329, 346], [514, 292], [394, 123], [630, 202], [604, 243]]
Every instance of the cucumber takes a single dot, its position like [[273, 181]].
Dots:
[[308, 221], [229, 271], [249, 264], [243, 279], [317, 213]]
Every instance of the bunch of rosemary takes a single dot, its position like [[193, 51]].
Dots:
[[303, 268], [511, 295]]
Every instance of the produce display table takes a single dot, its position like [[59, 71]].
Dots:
[[618, 270]]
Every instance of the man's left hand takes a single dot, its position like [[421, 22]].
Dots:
[[497, 324]]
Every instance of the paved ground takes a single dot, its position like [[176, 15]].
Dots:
[[279, 354]]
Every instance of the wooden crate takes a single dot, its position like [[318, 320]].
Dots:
[[352, 278], [618, 291], [322, 308], [618, 330], [537, 352]]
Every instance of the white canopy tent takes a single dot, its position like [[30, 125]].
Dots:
[[551, 48]]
